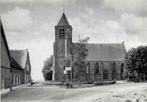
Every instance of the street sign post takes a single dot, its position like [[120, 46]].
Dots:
[[67, 71], [68, 68]]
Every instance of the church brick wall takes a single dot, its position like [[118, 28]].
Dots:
[[59, 63], [104, 66]]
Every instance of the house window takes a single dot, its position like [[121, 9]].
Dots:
[[61, 33], [96, 68]]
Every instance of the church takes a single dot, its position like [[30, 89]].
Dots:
[[104, 60]]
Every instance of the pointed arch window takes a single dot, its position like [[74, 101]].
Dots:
[[102, 65], [88, 68], [62, 33], [122, 68], [114, 74], [105, 74], [114, 67], [96, 68]]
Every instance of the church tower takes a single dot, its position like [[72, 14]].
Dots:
[[63, 41]]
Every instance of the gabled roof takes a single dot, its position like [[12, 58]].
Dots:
[[14, 64], [106, 52], [20, 56], [4, 38], [63, 20]]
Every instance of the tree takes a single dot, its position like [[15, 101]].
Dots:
[[47, 71], [136, 61], [79, 52]]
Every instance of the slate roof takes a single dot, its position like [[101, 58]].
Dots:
[[14, 64], [20, 56], [106, 52], [63, 20]]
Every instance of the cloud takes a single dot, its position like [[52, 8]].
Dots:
[[134, 6], [20, 27], [111, 31], [17, 20], [38, 1], [23, 32], [134, 25]]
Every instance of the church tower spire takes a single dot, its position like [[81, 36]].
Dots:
[[63, 20]]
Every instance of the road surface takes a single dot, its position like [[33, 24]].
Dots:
[[58, 94]]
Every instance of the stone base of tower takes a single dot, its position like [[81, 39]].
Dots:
[[59, 77], [59, 74]]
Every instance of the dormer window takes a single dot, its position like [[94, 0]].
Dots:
[[61, 33]]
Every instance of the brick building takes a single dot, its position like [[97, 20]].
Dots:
[[5, 60], [104, 61], [23, 74]]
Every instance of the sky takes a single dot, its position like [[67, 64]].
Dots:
[[29, 24]]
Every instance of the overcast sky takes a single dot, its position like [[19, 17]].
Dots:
[[30, 24]]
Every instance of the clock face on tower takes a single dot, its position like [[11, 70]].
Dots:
[[68, 30]]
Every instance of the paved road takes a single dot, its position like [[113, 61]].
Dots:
[[58, 94]]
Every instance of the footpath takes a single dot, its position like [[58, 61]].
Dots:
[[5, 91]]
